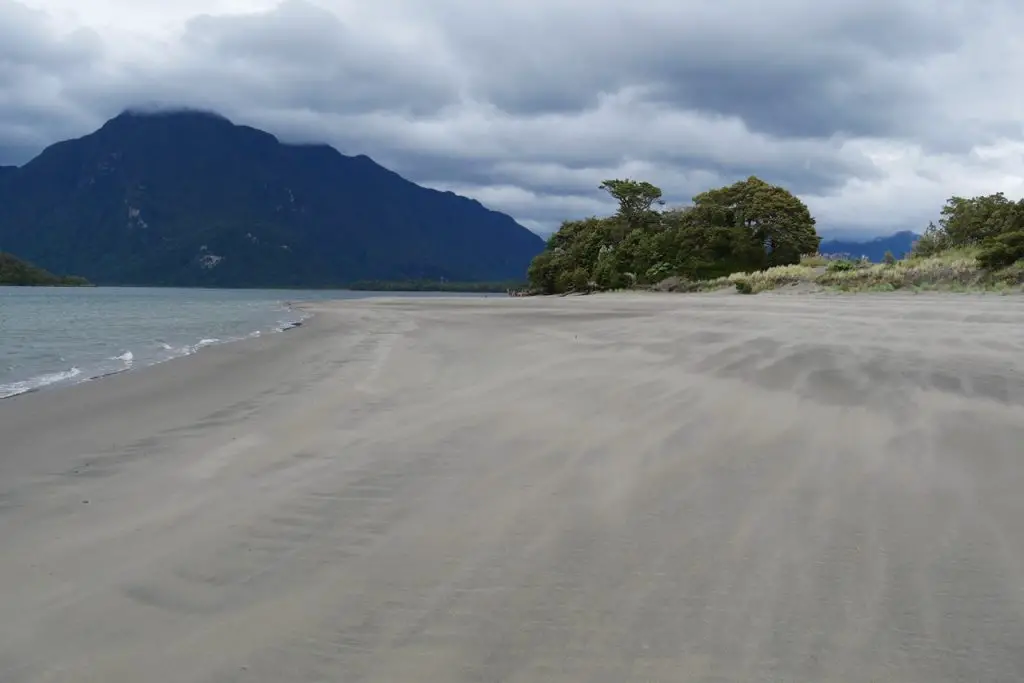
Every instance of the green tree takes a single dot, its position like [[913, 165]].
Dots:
[[971, 221], [638, 252], [658, 272], [774, 218], [931, 242], [579, 280], [889, 259], [745, 226], [1002, 251], [606, 270], [635, 199], [967, 222], [543, 272], [14, 271]]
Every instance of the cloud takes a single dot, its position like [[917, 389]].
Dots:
[[873, 111]]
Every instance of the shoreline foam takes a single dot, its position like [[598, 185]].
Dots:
[[59, 379]]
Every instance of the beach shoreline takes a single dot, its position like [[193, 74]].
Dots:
[[619, 487], [75, 373]]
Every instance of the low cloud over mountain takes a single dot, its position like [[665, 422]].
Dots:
[[873, 112]]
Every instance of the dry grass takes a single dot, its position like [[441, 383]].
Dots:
[[814, 260], [953, 270], [773, 278]]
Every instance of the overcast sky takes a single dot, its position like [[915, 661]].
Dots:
[[873, 111]]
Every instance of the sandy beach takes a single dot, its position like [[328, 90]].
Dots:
[[611, 488]]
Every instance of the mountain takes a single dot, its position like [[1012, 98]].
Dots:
[[14, 271], [899, 244], [191, 199]]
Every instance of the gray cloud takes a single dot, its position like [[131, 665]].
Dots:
[[874, 111], [28, 41], [299, 53], [800, 69]]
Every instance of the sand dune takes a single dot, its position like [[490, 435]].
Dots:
[[609, 488]]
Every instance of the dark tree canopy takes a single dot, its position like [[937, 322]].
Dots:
[[771, 216], [635, 199], [14, 271], [749, 225], [977, 221]]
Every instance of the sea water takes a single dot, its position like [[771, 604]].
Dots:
[[57, 336]]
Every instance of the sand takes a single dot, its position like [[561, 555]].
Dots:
[[610, 488]]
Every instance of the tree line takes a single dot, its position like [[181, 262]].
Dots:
[[992, 223], [15, 272], [749, 225]]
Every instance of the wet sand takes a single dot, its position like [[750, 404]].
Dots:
[[609, 488]]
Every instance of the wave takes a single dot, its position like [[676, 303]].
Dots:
[[128, 360], [38, 382]]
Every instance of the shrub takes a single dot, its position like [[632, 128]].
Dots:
[[1002, 251], [947, 269], [1010, 276], [889, 259], [744, 286], [841, 266], [580, 280], [658, 271]]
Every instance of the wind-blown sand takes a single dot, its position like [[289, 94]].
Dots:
[[609, 488]]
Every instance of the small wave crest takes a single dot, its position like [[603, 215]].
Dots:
[[127, 358], [38, 382], [189, 349], [149, 355]]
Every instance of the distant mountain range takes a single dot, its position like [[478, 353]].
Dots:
[[899, 244], [190, 199]]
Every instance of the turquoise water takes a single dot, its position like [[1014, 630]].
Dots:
[[56, 336]]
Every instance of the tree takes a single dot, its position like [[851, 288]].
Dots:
[[579, 280], [606, 270], [772, 216], [968, 222], [971, 221], [1002, 251], [639, 251], [635, 199], [543, 272], [931, 242], [14, 271], [746, 226], [889, 259]]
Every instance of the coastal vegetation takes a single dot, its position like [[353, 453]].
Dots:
[[748, 226], [14, 271], [753, 237]]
